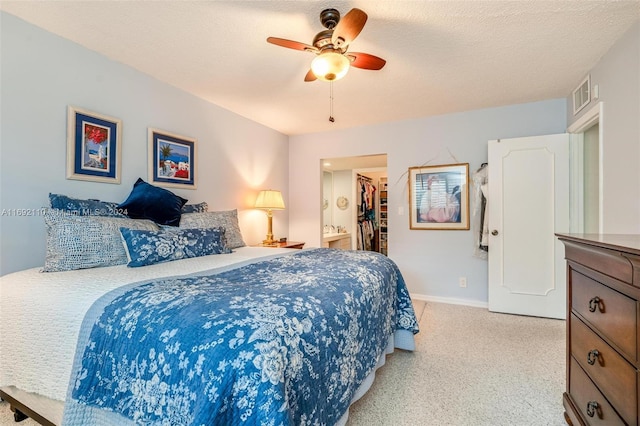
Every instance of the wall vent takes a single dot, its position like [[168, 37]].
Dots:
[[582, 95]]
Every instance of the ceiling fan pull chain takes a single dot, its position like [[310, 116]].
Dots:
[[331, 119]]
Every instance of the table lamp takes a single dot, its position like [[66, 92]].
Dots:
[[270, 200]]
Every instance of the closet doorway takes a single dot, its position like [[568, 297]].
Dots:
[[586, 172], [342, 203], [370, 219]]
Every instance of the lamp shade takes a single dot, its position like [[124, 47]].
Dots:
[[330, 66], [270, 200]]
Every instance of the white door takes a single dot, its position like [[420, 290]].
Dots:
[[528, 202]]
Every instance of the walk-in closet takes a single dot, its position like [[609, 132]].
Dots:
[[354, 203]]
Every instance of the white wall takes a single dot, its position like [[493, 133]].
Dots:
[[617, 76], [327, 194], [431, 261], [343, 187], [42, 73]]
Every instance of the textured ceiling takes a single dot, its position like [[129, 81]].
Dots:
[[442, 56]]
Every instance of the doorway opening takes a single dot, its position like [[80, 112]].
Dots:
[[351, 202], [586, 172]]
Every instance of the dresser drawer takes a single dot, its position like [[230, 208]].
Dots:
[[609, 262], [585, 394], [614, 376], [612, 313]]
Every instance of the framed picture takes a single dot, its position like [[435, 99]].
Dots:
[[172, 159], [439, 197], [93, 146]]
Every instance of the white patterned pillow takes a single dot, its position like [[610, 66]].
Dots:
[[80, 242], [224, 219]]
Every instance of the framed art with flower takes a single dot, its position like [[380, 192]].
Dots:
[[172, 159], [439, 197], [93, 146]]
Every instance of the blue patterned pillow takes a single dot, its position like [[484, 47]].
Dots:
[[195, 208], [85, 207], [80, 242], [149, 247], [147, 201]]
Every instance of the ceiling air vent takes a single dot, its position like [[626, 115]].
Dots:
[[582, 95]]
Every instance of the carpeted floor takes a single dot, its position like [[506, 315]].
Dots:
[[471, 367], [6, 417]]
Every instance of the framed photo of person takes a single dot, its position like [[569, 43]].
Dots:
[[439, 197]]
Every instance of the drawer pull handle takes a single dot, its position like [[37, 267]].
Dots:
[[592, 356], [592, 407], [594, 303]]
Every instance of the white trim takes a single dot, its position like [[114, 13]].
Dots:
[[576, 187], [601, 169], [450, 300], [592, 116], [586, 120]]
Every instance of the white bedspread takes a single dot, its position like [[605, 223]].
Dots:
[[41, 314]]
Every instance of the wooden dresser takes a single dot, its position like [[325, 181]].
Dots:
[[603, 329]]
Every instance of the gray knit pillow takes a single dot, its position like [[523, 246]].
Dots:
[[224, 219], [80, 242]]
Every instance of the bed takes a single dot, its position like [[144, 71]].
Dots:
[[238, 337]]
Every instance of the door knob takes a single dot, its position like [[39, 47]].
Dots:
[[494, 232]]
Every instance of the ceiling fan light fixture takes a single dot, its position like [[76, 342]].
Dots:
[[330, 66]]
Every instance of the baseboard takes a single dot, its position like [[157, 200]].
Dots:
[[450, 300]]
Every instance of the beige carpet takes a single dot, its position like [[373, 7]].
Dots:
[[6, 417], [471, 367]]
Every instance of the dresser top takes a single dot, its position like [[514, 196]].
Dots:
[[629, 243]]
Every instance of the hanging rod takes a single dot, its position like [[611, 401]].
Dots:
[[368, 179]]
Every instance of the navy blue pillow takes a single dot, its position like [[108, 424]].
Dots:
[[151, 202]]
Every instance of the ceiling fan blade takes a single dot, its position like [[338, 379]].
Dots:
[[291, 44], [365, 61], [310, 76], [348, 27]]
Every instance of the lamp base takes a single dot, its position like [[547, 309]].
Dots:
[[269, 242]]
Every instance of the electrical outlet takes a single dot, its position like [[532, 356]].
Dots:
[[463, 281]]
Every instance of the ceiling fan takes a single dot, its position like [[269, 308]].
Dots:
[[333, 61]]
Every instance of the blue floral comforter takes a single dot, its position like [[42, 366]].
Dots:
[[285, 341]]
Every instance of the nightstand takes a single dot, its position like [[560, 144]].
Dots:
[[287, 244]]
